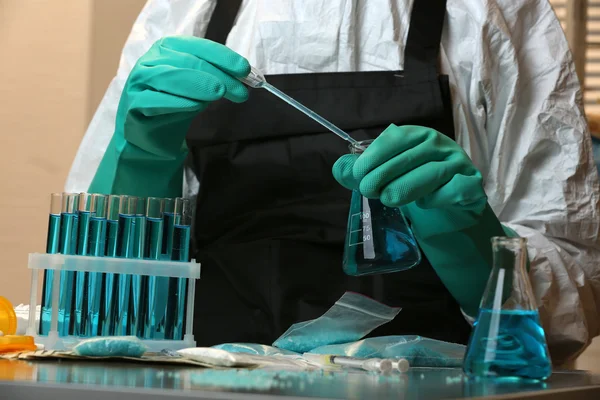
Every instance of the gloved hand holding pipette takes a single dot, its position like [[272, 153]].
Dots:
[[168, 86]]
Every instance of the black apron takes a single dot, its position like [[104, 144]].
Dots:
[[271, 220]]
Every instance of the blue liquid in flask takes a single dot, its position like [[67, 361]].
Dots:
[[378, 239], [508, 343], [508, 340]]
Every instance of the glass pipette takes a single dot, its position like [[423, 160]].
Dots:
[[256, 79]]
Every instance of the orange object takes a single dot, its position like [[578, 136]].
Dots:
[[8, 318], [13, 343], [13, 370]]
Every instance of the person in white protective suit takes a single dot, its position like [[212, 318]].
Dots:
[[479, 131]]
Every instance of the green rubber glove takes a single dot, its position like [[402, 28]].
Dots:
[[177, 78], [434, 182]]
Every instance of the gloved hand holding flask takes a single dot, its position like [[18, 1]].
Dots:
[[434, 182]]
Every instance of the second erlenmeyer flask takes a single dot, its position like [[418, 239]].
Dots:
[[508, 339], [378, 238]]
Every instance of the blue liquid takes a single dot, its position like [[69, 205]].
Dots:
[[83, 232], [92, 305], [133, 313], [112, 229], [177, 286], [118, 286], [167, 241], [52, 247], [81, 278], [151, 325], [109, 292], [125, 248], [162, 284], [68, 245], [126, 236], [154, 238], [378, 239], [508, 344], [139, 238]]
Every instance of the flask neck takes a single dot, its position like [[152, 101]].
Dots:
[[508, 287], [359, 147], [510, 254]]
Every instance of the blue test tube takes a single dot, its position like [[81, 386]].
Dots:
[[149, 323], [108, 313], [139, 239], [162, 283], [97, 280], [180, 251], [140, 227], [91, 242], [69, 221], [112, 225], [52, 247], [79, 318], [168, 223], [126, 248], [136, 280]]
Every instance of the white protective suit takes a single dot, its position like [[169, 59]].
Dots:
[[517, 111]]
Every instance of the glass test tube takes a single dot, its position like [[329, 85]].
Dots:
[[162, 283], [151, 323], [68, 245], [52, 247], [78, 319], [112, 225], [140, 227], [178, 286], [107, 311], [97, 280], [169, 222], [125, 248], [139, 237]]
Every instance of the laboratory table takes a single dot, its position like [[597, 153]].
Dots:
[[67, 380]]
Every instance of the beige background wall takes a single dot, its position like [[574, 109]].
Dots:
[[44, 95], [58, 57], [57, 60]]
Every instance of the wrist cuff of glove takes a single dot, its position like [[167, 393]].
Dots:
[[462, 257], [428, 223]]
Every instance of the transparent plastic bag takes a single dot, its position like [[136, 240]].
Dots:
[[111, 346], [417, 350], [226, 359], [253, 348], [352, 317]]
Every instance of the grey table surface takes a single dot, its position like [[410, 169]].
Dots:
[[68, 380]]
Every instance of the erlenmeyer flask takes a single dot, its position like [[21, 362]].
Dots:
[[378, 238], [508, 339]]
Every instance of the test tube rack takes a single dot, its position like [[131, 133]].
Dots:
[[38, 262]]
